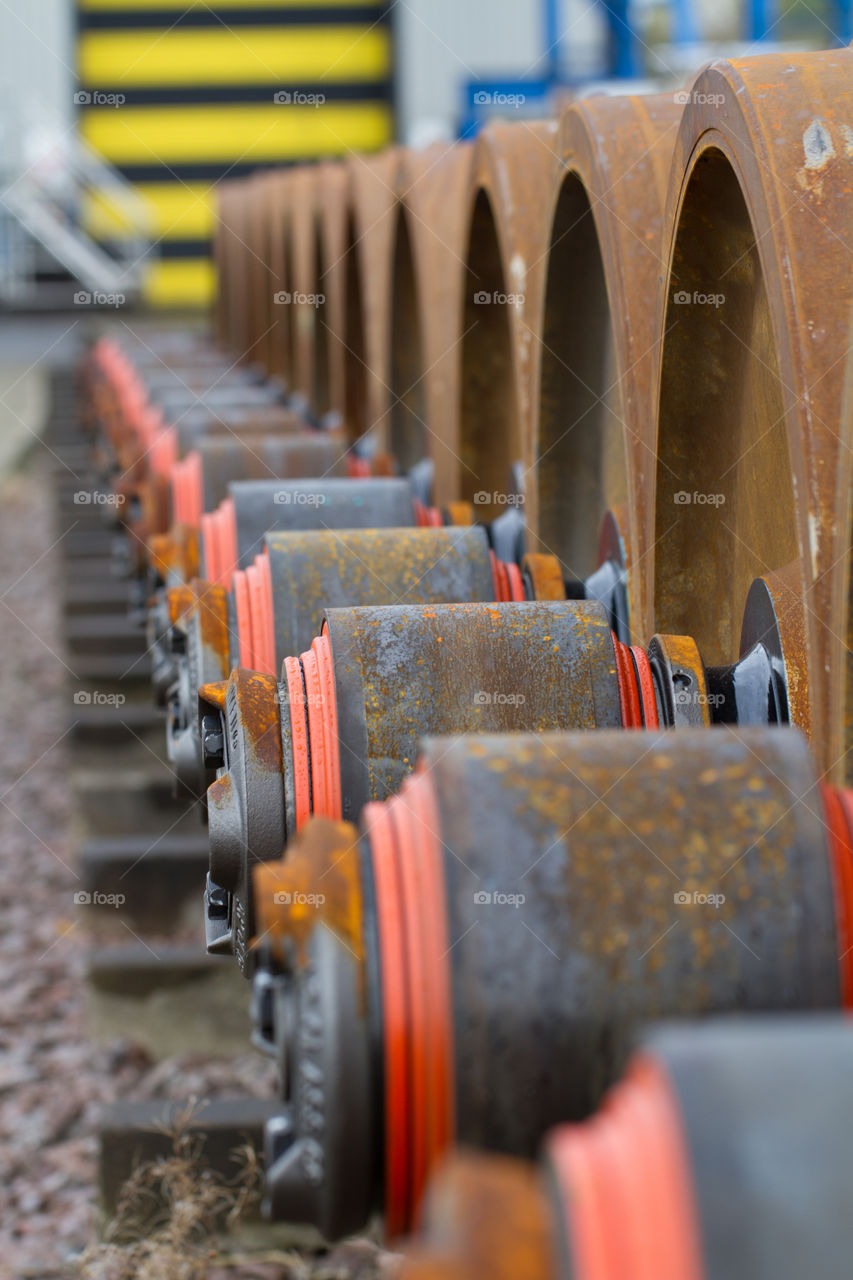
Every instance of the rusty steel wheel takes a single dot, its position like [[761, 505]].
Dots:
[[174, 557], [282, 336], [287, 582], [512, 173], [234, 209], [352, 707], [593, 353], [367, 341], [427, 293], [146, 480], [283, 595], [233, 534], [330, 212], [719, 1156], [844, 661], [196, 651], [323, 729], [200, 480], [271, 319], [754, 327], [232, 268], [188, 650], [265, 201], [529, 903], [224, 298], [302, 319]]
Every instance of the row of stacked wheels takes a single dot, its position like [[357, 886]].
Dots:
[[501, 444]]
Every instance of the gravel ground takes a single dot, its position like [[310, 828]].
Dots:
[[53, 1082]]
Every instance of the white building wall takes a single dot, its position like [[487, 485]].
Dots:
[[37, 57]]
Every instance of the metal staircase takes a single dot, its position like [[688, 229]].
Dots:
[[49, 180]]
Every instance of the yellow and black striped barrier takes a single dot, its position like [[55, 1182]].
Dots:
[[177, 95]]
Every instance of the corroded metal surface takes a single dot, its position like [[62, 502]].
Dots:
[[232, 296], [505, 270], [661, 875], [404, 672], [262, 311], [228, 458], [427, 302], [321, 1150], [210, 636], [845, 772], [749, 390], [204, 639], [246, 802], [277, 419], [315, 570], [631, 324], [330, 209], [592, 883], [486, 1217], [593, 351], [280, 339], [329, 503], [373, 201], [545, 575], [174, 556], [311, 571], [301, 293]]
